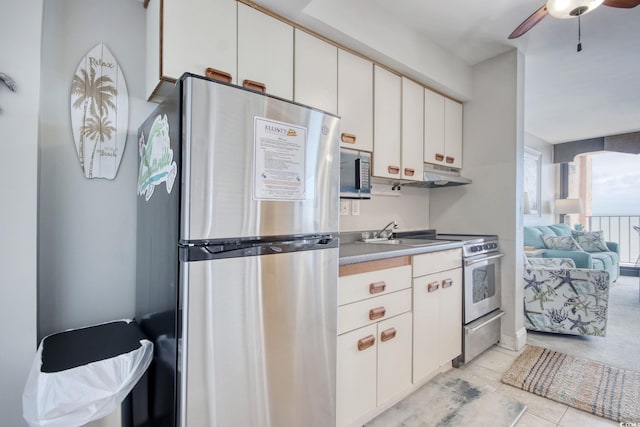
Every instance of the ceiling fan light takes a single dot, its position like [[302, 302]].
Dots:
[[563, 8]]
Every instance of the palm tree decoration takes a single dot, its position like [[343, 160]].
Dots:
[[94, 96], [99, 113], [97, 129]]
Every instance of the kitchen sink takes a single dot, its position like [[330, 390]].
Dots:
[[404, 242]]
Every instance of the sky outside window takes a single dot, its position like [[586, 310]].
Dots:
[[615, 184]]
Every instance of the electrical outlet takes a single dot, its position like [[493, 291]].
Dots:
[[355, 207], [344, 206]]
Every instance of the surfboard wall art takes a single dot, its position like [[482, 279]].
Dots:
[[99, 113]]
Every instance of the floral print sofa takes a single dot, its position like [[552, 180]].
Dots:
[[586, 249], [563, 299]]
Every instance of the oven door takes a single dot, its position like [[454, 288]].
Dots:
[[481, 285]]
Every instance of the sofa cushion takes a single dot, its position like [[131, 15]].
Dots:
[[604, 258], [532, 234], [551, 262], [611, 258], [564, 243], [591, 241], [561, 229]]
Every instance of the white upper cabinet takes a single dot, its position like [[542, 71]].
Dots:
[[442, 130], [189, 36], [355, 101], [265, 53], [315, 72], [433, 127], [453, 133], [412, 130], [387, 123]]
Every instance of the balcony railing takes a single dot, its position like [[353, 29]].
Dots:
[[620, 229]]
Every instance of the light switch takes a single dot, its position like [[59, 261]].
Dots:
[[355, 207], [344, 206]]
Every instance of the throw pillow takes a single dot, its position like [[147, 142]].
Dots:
[[564, 243], [591, 241]]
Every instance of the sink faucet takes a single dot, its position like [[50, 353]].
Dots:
[[379, 233]]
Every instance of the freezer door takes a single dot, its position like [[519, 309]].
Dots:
[[255, 166], [259, 343]]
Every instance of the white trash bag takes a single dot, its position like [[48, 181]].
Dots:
[[77, 396]]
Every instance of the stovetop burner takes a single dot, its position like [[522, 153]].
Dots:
[[474, 244]]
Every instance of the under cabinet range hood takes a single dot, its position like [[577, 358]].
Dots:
[[441, 176]]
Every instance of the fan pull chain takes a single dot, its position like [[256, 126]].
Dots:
[[579, 33]]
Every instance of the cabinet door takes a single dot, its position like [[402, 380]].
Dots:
[[394, 357], [386, 123], [356, 374], [433, 127], [265, 52], [426, 319], [453, 133], [190, 36], [316, 72], [412, 130], [355, 101], [450, 315]]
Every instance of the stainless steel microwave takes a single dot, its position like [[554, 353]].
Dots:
[[355, 174]]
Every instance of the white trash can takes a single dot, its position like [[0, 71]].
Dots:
[[83, 375]]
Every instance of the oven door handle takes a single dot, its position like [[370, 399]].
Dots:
[[476, 328], [475, 261]]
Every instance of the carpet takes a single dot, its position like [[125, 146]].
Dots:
[[583, 384], [450, 401]]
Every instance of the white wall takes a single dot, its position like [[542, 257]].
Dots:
[[410, 210], [548, 184], [87, 227], [20, 25], [493, 155]]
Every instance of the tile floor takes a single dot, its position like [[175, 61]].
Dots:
[[615, 349], [488, 368]]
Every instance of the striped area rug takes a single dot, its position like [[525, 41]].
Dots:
[[583, 384]]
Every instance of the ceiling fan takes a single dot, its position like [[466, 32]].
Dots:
[[565, 9]]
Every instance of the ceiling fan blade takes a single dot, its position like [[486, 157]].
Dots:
[[625, 4], [531, 21]]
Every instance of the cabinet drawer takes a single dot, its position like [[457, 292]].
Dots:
[[436, 261], [361, 286], [358, 314]]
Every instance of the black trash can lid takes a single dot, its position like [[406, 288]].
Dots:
[[78, 347]]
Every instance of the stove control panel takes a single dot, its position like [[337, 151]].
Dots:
[[473, 249]]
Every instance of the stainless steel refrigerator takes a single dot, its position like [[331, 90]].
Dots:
[[238, 198]]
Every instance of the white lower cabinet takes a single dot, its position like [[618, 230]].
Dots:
[[394, 357], [374, 366], [437, 321]]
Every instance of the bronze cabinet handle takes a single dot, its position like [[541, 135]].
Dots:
[[377, 313], [394, 170], [388, 334], [253, 85], [433, 286], [439, 157], [348, 138], [447, 283], [366, 342], [450, 159], [222, 76], [377, 287], [409, 171]]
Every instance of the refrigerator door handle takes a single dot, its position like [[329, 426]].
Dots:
[[206, 252]]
